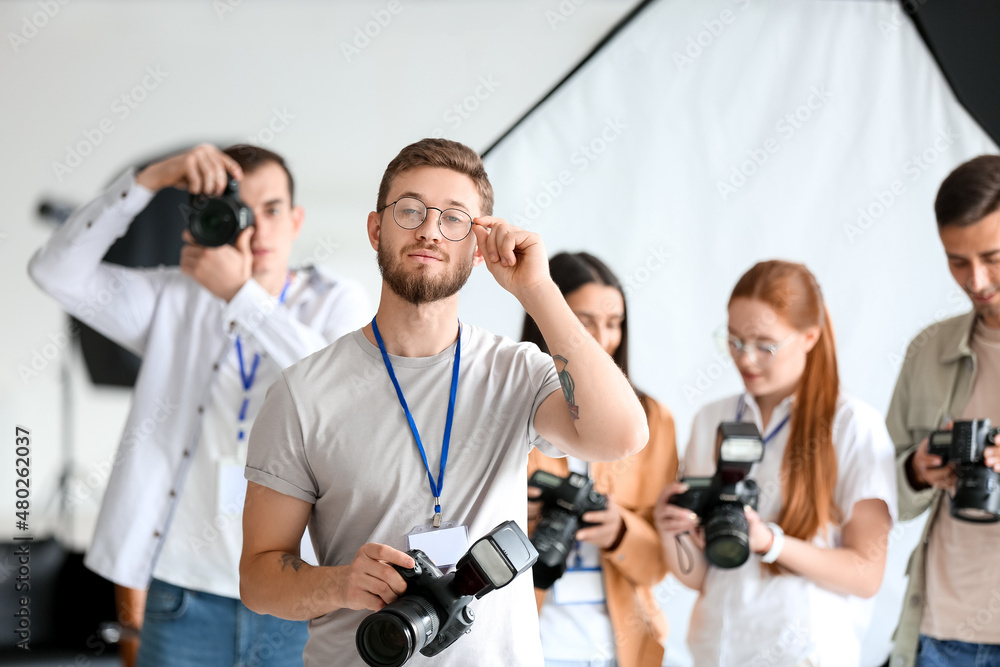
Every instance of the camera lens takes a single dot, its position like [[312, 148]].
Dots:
[[214, 224], [977, 495], [553, 539], [390, 637], [727, 536]]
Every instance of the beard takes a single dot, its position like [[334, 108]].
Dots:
[[990, 310], [416, 287]]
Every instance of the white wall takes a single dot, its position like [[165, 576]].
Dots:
[[705, 156]]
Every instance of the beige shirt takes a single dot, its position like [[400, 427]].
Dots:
[[963, 587]]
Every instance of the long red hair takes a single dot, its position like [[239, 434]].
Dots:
[[809, 468]]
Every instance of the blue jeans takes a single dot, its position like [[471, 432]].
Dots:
[[185, 628], [941, 653]]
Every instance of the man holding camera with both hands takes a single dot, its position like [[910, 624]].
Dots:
[[350, 439], [212, 335], [951, 376]]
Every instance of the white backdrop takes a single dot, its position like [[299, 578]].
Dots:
[[707, 136]]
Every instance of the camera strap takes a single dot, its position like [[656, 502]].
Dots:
[[231, 484], [436, 487], [248, 379], [777, 429]]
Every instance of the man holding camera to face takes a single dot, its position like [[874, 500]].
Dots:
[[350, 439], [213, 335], [946, 454]]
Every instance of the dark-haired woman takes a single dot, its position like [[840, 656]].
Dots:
[[602, 611]]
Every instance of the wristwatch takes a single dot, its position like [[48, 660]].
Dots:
[[777, 543]]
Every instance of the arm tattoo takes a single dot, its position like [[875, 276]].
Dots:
[[566, 380], [294, 561]]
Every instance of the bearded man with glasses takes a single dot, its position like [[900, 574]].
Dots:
[[350, 439]]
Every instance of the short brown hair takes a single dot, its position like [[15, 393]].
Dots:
[[969, 193], [251, 157], [439, 153]]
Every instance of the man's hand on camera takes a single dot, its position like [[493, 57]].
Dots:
[[928, 470], [516, 257], [222, 271], [201, 170], [991, 455], [609, 526], [370, 581]]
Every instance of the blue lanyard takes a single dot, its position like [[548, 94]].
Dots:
[[248, 379], [436, 487], [777, 429]]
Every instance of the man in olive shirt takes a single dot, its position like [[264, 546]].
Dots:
[[951, 612]]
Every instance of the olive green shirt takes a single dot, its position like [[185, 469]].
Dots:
[[934, 384]]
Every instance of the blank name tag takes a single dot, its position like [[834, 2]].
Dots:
[[232, 487], [583, 586], [444, 545]]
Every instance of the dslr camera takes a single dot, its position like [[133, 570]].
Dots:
[[977, 489], [719, 500], [564, 501], [216, 221], [434, 611]]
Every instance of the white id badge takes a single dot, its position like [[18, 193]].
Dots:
[[232, 486], [444, 545], [583, 586]]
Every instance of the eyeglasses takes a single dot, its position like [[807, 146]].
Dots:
[[409, 213], [759, 353]]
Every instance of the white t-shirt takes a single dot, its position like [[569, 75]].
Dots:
[[746, 617], [575, 624], [332, 433]]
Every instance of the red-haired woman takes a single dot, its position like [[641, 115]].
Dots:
[[827, 491]]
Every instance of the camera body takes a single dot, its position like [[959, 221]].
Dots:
[[564, 502], [216, 221], [977, 489], [427, 586], [434, 611], [719, 500]]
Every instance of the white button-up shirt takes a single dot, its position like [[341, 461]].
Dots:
[[746, 617], [183, 334]]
